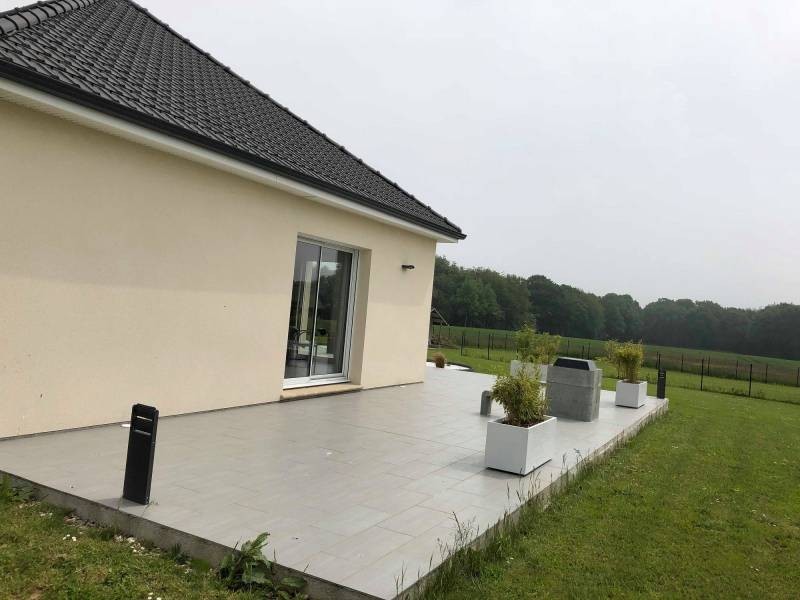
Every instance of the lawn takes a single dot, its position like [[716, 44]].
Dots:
[[702, 503], [45, 553]]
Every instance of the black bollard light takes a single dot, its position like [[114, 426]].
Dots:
[[141, 451], [661, 384]]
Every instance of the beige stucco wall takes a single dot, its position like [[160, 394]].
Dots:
[[131, 275]]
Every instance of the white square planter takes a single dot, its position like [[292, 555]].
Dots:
[[632, 395], [519, 450]]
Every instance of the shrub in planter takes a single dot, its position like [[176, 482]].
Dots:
[[525, 438], [628, 358], [439, 360], [521, 397], [547, 348], [611, 354], [526, 343], [535, 350]]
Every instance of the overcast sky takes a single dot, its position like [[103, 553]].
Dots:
[[636, 146]]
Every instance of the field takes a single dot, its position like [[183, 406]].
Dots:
[[702, 503], [725, 365]]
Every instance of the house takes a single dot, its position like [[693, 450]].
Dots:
[[171, 235]]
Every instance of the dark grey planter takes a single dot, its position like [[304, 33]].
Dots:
[[573, 389]]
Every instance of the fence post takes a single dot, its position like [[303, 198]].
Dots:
[[750, 385], [681, 363], [582, 347], [702, 372], [589, 351], [462, 342], [708, 367], [567, 352], [479, 339], [798, 377], [658, 361], [766, 372], [737, 369], [488, 347]]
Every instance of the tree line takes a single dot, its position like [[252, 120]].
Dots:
[[480, 297]]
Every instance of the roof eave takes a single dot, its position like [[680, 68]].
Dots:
[[34, 81]]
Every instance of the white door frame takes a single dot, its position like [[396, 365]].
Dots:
[[344, 375]]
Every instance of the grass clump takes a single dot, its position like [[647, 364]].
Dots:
[[521, 397]]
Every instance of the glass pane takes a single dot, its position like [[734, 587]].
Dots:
[[302, 312], [331, 328]]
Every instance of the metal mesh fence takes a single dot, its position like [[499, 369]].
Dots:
[[500, 345]]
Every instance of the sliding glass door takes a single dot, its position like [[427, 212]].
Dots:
[[318, 342]]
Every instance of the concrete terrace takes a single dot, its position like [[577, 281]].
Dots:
[[358, 490]]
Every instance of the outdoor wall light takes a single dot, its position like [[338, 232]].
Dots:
[[408, 267]]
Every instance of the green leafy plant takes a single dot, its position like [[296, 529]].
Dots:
[[535, 347], [177, 554], [526, 343], [546, 348], [628, 358], [522, 398], [611, 353], [248, 568], [12, 493], [440, 360]]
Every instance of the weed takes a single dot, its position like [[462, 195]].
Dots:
[[12, 493], [248, 568]]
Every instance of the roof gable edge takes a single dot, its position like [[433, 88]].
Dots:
[[22, 93]]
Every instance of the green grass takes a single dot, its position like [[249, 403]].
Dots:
[[499, 361], [704, 502], [40, 560]]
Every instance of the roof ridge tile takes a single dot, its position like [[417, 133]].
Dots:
[[31, 13]]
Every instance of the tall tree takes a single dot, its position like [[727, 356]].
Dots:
[[486, 298]]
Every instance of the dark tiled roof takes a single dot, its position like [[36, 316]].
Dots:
[[114, 56]]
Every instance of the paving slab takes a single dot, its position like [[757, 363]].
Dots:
[[360, 490]]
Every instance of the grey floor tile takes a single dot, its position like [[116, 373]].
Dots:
[[415, 520]]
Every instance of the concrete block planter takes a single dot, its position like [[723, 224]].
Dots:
[[519, 450], [631, 395], [517, 365], [573, 389]]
